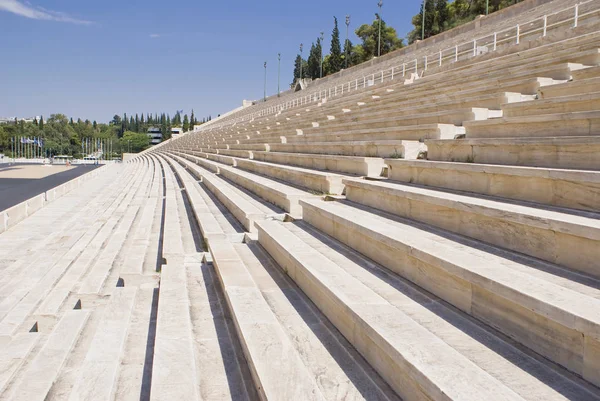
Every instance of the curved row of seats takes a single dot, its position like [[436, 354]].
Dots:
[[448, 228]]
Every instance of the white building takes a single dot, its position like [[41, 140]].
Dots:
[[175, 132], [155, 135], [11, 120]]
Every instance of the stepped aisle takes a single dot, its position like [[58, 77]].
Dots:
[[449, 228], [435, 236]]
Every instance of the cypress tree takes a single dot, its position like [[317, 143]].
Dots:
[[186, 123], [441, 7], [163, 126], [335, 53], [41, 124], [192, 120], [297, 63], [314, 60], [349, 52]]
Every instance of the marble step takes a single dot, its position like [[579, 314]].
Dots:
[[276, 366], [97, 378], [515, 226], [574, 189], [410, 358], [36, 382], [560, 321], [571, 152]]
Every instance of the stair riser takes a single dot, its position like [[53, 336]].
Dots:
[[542, 189], [535, 108], [579, 127], [563, 345], [577, 156], [454, 119], [329, 163], [289, 205], [407, 149], [508, 231], [402, 377], [327, 185]]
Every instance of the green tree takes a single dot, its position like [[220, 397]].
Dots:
[[116, 120], [349, 52], [336, 61], [176, 121], [314, 60], [369, 34], [163, 126], [441, 15], [135, 141], [192, 120], [41, 124], [186, 123], [297, 63]]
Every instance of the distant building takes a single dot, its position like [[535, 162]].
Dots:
[[11, 120], [175, 132], [155, 135]]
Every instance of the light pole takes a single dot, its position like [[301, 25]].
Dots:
[[265, 97], [321, 55], [278, 73], [347, 47], [423, 24], [380, 4], [301, 61]]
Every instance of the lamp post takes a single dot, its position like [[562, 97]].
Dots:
[[301, 61], [423, 24], [278, 73], [321, 73], [347, 47], [265, 97], [380, 4]]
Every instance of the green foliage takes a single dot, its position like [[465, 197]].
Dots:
[[297, 63], [314, 60], [335, 62], [186, 123], [134, 141], [441, 15], [369, 34]]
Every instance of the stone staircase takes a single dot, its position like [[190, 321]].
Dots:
[[428, 240]]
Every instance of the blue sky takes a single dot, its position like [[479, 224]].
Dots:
[[94, 58]]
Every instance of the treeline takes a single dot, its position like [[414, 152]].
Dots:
[[141, 122], [338, 58], [63, 135], [442, 15]]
